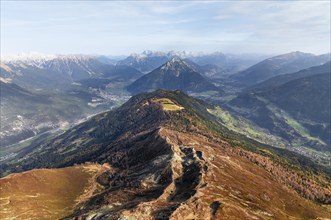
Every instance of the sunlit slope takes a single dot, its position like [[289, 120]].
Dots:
[[172, 159], [47, 193]]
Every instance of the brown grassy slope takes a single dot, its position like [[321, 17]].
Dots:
[[46, 193], [244, 189]]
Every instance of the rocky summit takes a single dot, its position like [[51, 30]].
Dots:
[[174, 74], [162, 156]]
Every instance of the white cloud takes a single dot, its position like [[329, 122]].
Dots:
[[126, 26]]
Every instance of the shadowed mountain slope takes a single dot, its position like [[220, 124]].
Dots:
[[298, 110], [282, 79], [59, 72], [282, 64], [43, 93], [175, 74], [170, 159]]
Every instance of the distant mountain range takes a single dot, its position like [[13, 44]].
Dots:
[[284, 78], [150, 60], [61, 71], [145, 62], [174, 74], [13, 124], [69, 68], [76, 145], [278, 65], [295, 106], [210, 71], [83, 84], [47, 91], [25, 114]]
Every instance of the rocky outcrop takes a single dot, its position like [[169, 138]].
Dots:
[[194, 178], [170, 159]]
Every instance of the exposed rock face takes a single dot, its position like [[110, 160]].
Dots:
[[174, 74], [170, 160], [193, 177]]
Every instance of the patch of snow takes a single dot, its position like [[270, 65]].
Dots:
[[33, 56], [45, 61], [5, 67], [5, 80]]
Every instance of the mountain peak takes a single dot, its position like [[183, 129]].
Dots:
[[175, 59], [176, 66], [292, 56], [35, 57], [278, 65], [25, 57], [174, 74], [5, 80], [165, 153]]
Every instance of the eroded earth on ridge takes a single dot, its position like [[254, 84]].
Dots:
[[164, 161]]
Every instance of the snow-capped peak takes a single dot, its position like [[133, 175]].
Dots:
[[175, 59], [170, 54], [24, 57], [147, 53], [43, 60], [183, 54], [176, 66], [5, 80], [291, 56], [35, 57]]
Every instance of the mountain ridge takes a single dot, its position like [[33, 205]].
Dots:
[[174, 74], [150, 60], [278, 65], [286, 105], [169, 158], [282, 79], [166, 155]]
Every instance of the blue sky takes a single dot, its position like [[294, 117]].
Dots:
[[123, 27]]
